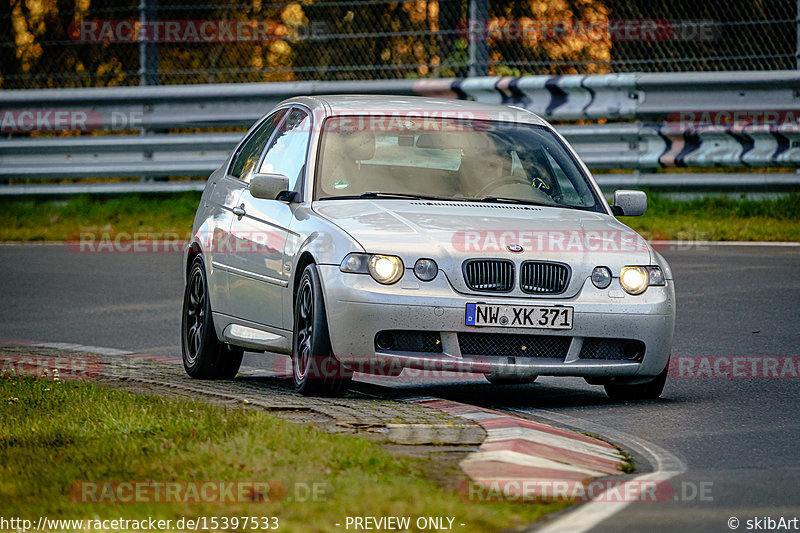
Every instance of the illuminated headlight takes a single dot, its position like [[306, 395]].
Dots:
[[426, 269], [601, 277], [634, 279], [386, 269]]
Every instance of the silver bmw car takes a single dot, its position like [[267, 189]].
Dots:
[[378, 233]]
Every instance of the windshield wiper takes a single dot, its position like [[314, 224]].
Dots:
[[502, 199], [388, 195]]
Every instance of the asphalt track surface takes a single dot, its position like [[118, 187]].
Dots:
[[737, 438]]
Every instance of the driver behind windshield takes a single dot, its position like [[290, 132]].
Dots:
[[450, 159]]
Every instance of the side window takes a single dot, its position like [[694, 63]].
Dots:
[[244, 162], [287, 152]]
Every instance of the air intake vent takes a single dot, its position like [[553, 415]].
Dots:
[[408, 341], [478, 205], [539, 277], [489, 275], [514, 345], [601, 348]]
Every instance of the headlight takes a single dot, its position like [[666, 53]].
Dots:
[[426, 269], [601, 277], [355, 263], [634, 279], [386, 269]]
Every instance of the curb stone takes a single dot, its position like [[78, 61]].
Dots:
[[518, 450]]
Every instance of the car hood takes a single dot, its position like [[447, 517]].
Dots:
[[451, 232]]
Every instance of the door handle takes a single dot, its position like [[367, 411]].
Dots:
[[239, 211]]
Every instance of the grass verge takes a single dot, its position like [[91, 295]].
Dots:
[[59, 433], [40, 219], [720, 218], [706, 218]]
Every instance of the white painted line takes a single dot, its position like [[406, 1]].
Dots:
[[550, 439], [82, 348], [417, 399], [60, 346], [481, 416], [523, 459], [590, 514]]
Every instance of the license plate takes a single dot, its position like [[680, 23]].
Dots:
[[519, 316]]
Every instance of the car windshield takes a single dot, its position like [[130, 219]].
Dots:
[[466, 160]]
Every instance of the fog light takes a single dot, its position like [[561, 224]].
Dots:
[[634, 279], [601, 277], [632, 350], [425, 269], [384, 341]]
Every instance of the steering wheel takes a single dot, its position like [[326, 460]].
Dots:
[[499, 182]]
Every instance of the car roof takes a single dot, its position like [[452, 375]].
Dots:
[[359, 104]]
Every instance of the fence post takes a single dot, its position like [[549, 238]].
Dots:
[[148, 55], [478, 47], [148, 48], [797, 47]]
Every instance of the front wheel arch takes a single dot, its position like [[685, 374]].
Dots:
[[315, 369], [303, 261]]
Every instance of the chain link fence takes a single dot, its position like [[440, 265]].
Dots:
[[84, 43]]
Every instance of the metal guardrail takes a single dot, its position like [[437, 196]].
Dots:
[[605, 146], [637, 146], [571, 97]]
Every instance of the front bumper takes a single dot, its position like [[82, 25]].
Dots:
[[358, 308]]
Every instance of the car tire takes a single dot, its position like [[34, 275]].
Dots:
[[315, 369], [204, 356], [641, 391], [498, 380]]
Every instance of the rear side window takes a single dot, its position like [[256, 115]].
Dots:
[[246, 159]]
